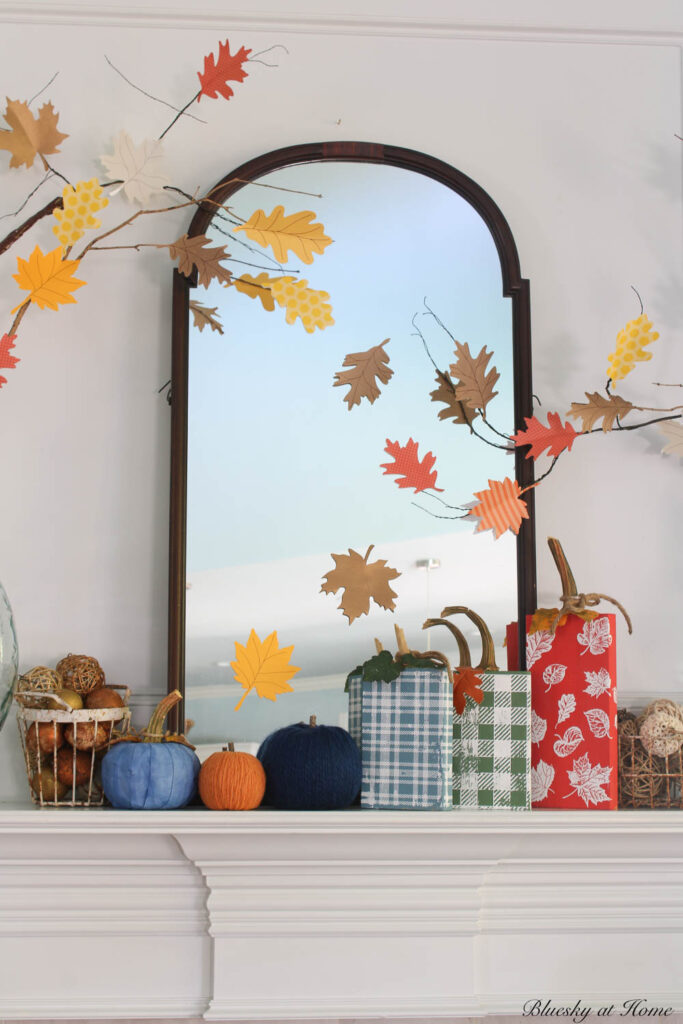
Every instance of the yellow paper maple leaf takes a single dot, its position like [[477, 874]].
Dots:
[[283, 232], [28, 135], [47, 278], [263, 666]]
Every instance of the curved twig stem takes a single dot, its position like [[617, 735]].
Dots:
[[58, 174], [642, 308], [439, 322], [436, 515], [179, 115], [13, 236], [40, 91], [148, 94]]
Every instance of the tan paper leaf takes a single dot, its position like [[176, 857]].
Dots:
[[368, 367], [197, 252], [476, 382], [138, 168], [674, 432], [203, 315], [456, 409], [29, 135], [258, 287], [361, 582], [283, 232], [599, 407]]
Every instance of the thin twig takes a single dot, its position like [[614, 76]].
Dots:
[[30, 196], [436, 514], [148, 94], [505, 437], [276, 46], [642, 308], [657, 384], [49, 167], [43, 89], [19, 317], [439, 322], [179, 115], [634, 426], [430, 494], [13, 236]]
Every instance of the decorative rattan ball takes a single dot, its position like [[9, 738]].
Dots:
[[661, 733], [662, 704], [639, 782], [81, 673], [40, 678]]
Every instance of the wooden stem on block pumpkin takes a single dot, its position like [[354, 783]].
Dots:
[[154, 731], [574, 603], [488, 651], [401, 640], [569, 588], [464, 656]]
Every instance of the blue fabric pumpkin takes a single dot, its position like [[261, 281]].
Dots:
[[152, 775], [310, 767]]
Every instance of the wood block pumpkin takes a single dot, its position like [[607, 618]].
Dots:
[[231, 780]]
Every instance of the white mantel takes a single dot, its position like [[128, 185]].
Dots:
[[273, 915]]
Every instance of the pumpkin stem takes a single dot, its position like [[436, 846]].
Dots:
[[464, 656], [231, 748], [401, 640], [488, 651], [154, 732], [378, 645], [313, 720], [566, 575]]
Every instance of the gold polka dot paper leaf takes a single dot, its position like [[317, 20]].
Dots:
[[81, 203], [263, 666], [673, 431], [301, 301], [29, 136], [139, 170], [47, 278], [630, 348], [284, 232]]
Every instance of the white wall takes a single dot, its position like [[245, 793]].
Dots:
[[569, 128]]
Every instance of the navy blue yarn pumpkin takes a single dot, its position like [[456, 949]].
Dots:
[[310, 767], [153, 775]]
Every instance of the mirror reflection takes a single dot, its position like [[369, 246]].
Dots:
[[281, 473]]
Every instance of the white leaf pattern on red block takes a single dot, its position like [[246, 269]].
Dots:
[[567, 744], [566, 706], [587, 780], [598, 722], [598, 682], [541, 780], [553, 674], [538, 644], [538, 727], [595, 636]]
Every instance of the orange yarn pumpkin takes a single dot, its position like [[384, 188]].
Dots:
[[232, 781]]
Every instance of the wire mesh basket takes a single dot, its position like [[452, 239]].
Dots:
[[63, 747]]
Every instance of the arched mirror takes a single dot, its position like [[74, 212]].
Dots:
[[275, 470]]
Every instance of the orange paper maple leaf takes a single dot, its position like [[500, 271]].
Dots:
[[217, 73], [361, 581], [263, 666], [7, 362], [47, 278], [420, 475], [466, 683], [500, 508], [556, 436]]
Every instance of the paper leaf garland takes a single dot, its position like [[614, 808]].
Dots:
[[81, 203], [197, 251], [361, 581], [367, 368], [476, 383], [557, 437], [674, 432], [410, 471], [258, 287], [217, 73], [138, 168], [466, 683], [456, 409], [263, 666], [47, 278], [599, 407], [203, 315], [301, 301], [500, 508], [29, 136], [630, 349], [284, 232], [7, 362]]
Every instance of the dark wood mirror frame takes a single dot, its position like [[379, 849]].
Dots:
[[515, 287]]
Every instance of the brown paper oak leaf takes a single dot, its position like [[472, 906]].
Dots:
[[476, 381], [367, 368], [27, 135], [361, 581], [456, 409], [256, 288], [203, 315], [599, 407], [195, 251]]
